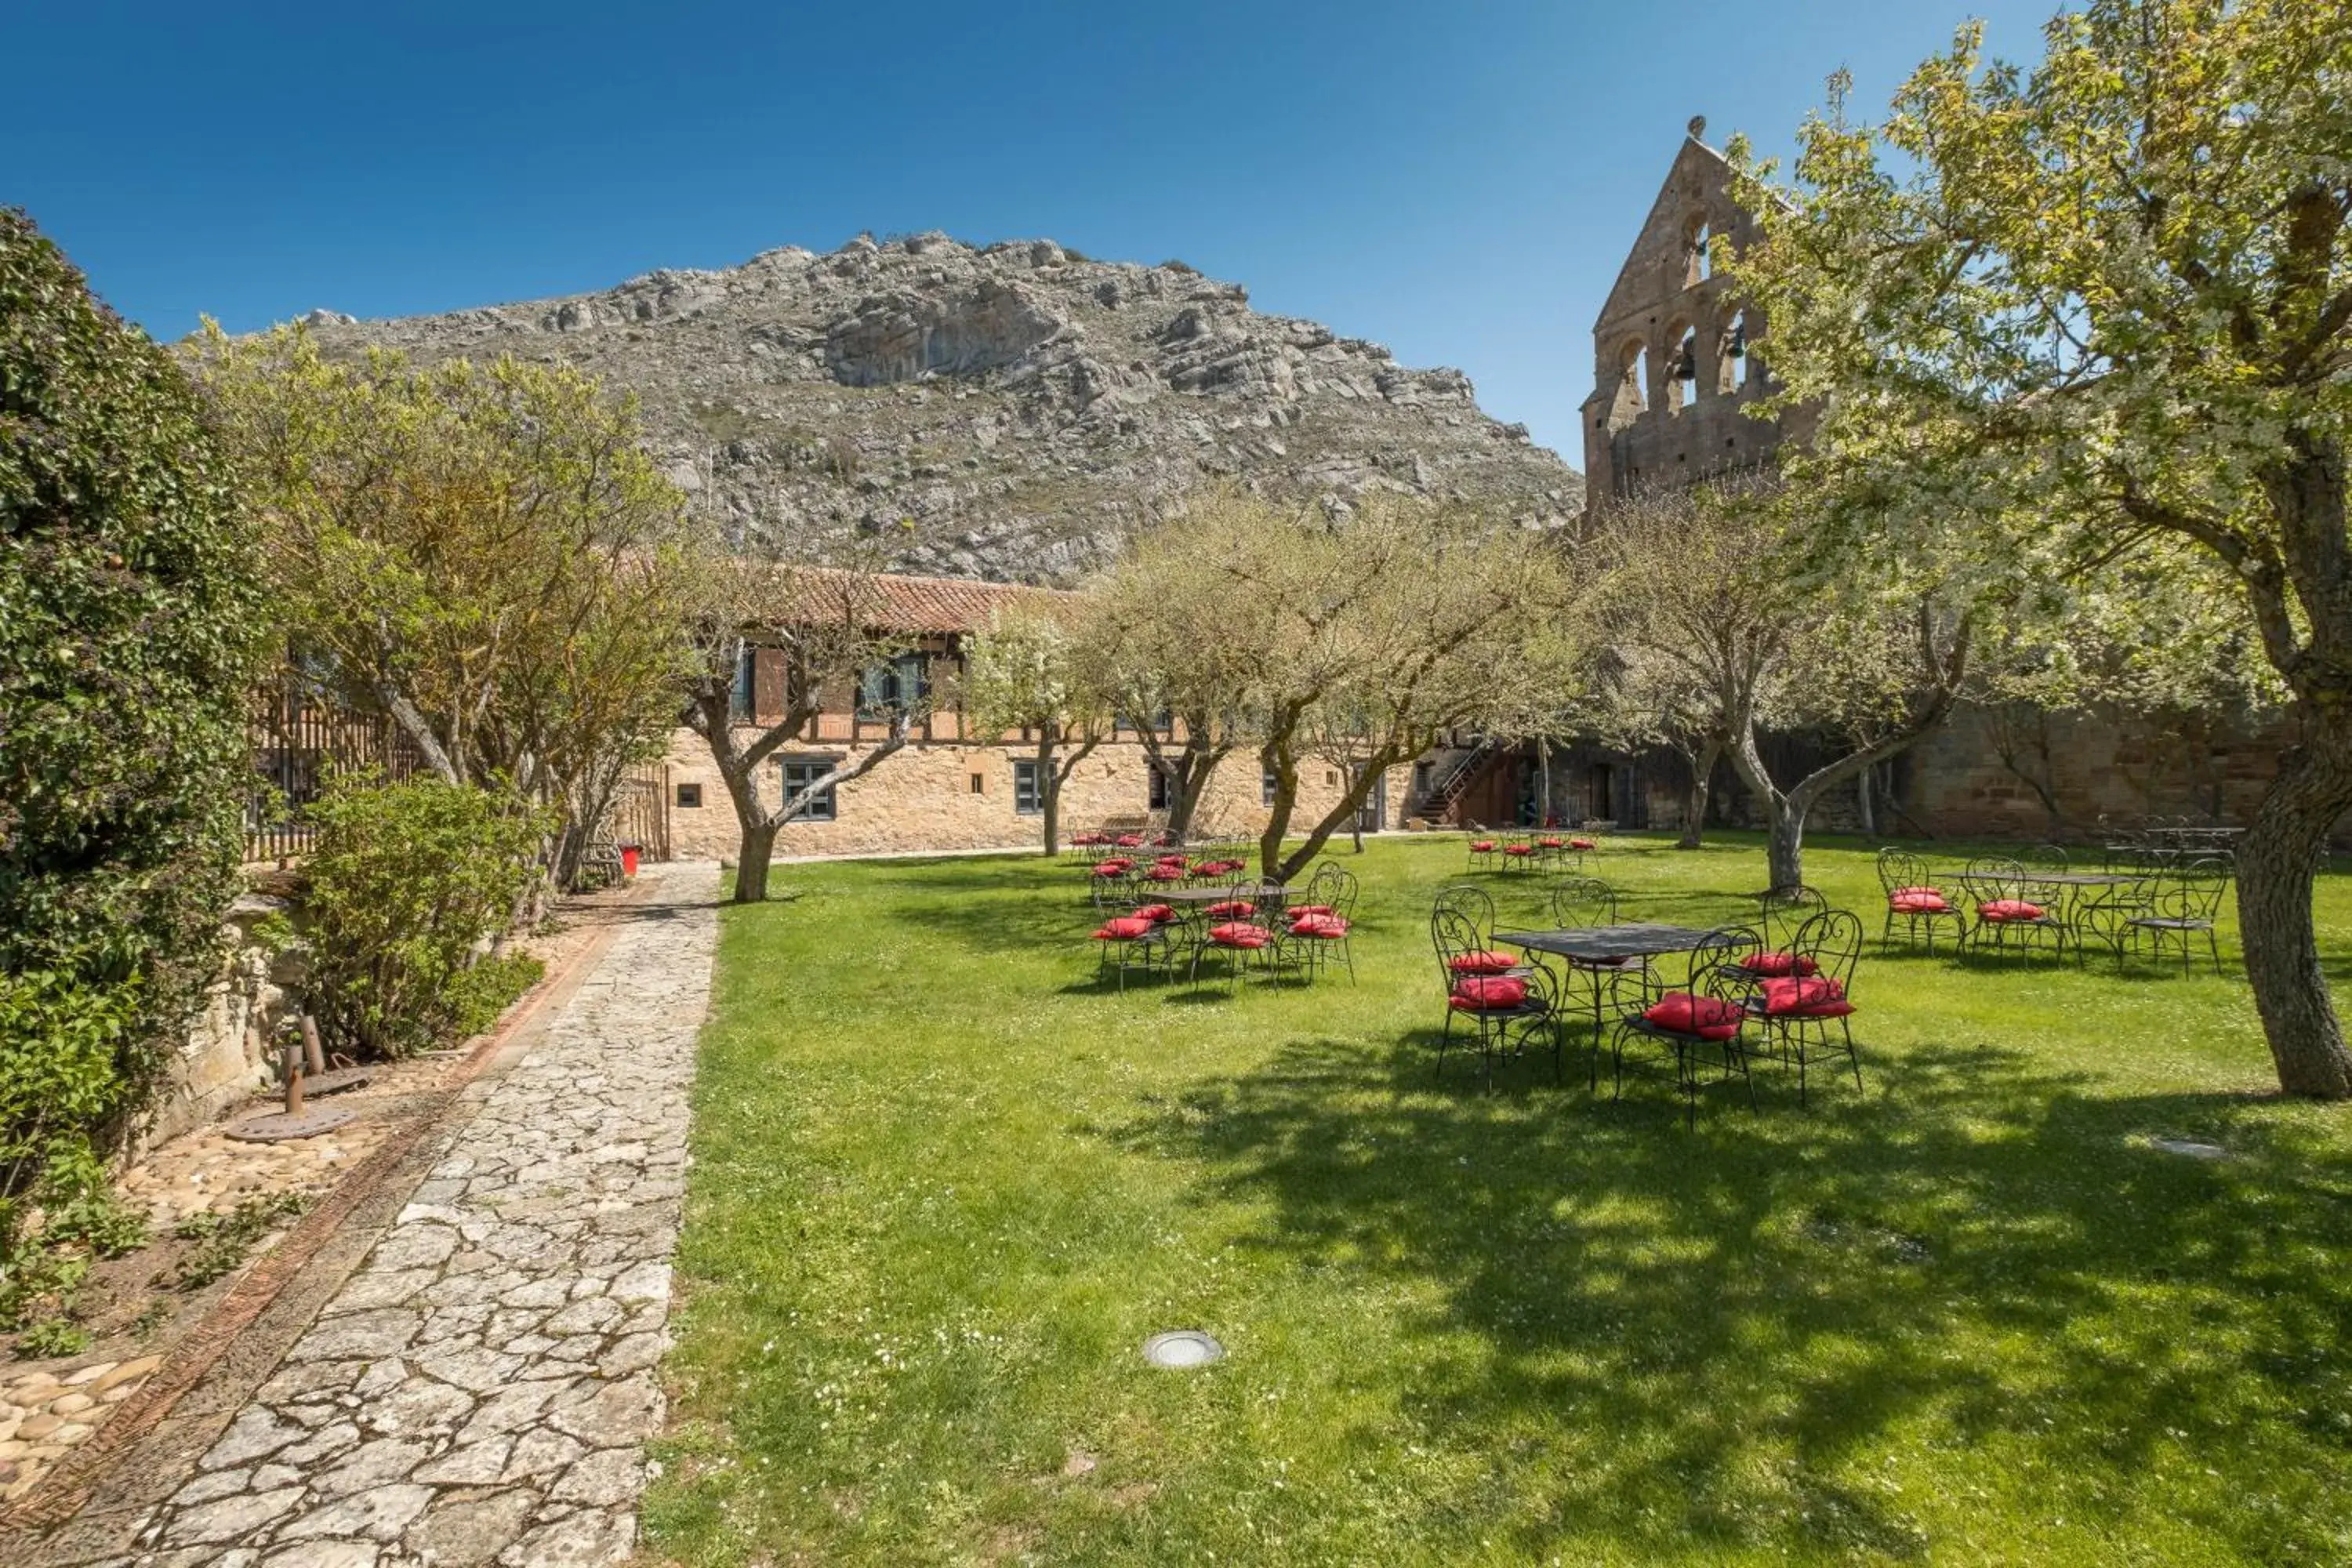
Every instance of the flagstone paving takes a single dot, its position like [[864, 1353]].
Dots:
[[480, 1389]]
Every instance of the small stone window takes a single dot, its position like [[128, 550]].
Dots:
[[1268, 782], [1028, 797], [978, 784], [689, 797], [799, 772], [1731, 357], [1159, 798], [1632, 385], [1699, 265]]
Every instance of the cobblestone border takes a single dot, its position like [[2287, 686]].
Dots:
[[358, 1208]]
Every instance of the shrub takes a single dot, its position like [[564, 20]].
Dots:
[[130, 627], [406, 882]]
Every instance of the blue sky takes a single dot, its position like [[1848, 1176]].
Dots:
[[1456, 180]]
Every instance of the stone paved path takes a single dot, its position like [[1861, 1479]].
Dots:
[[479, 1390]]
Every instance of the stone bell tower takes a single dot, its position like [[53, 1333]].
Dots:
[[1674, 354]]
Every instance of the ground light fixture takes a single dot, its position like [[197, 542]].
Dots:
[[1182, 1347]]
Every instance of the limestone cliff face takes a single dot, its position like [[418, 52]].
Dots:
[[1010, 413]]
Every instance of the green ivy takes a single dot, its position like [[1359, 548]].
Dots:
[[131, 625]]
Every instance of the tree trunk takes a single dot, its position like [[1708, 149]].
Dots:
[[1543, 783], [751, 864], [1049, 785], [1277, 823], [1702, 786], [2275, 861], [1862, 791], [1281, 870], [1784, 845]]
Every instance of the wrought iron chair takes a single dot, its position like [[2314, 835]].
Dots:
[[1913, 898], [1477, 906], [1780, 912], [1796, 1010], [2000, 889], [1230, 927], [1506, 1005], [2186, 903], [1320, 923], [1131, 938], [1699, 1022], [1483, 846]]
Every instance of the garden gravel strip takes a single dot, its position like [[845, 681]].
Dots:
[[480, 1388]]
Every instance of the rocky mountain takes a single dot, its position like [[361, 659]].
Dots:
[[1009, 413]]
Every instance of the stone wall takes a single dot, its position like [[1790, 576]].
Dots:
[[227, 1054], [926, 798], [1978, 775]]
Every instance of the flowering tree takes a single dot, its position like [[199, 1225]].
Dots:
[[1703, 589], [1358, 638], [1027, 671], [773, 642], [2095, 315], [481, 552], [1174, 685]]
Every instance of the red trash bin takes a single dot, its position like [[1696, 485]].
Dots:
[[628, 859]]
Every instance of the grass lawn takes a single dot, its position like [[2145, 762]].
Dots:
[[946, 1185]]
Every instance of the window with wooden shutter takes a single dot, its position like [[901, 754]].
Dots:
[[768, 684]]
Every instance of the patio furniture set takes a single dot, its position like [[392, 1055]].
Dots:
[[2134, 898], [1548, 851], [1712, 1002], [1175, 911]]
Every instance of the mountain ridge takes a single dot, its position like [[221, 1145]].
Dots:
[[1010, 411]]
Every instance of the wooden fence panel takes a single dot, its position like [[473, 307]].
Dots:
[[296, 741]]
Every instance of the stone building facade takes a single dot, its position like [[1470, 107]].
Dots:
[[952, 788], [950, 794]]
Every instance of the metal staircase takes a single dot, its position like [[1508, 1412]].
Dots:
[[1448, 787]]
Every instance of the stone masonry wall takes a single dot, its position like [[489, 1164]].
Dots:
[[2122, 767], [923, 799], [226, 1054]]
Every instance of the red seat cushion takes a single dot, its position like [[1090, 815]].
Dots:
[[1581, 844], [1482, 847], [1806, 997], [1779, 964], [1488, 993], [2001, 910], [1114, 867], [1131, 841], [1298, 911], [1917, 902], [1519, 848], [1553, 843], [1230, 909], [1709, 1017], [1126, 928], [1159, 914], [1483, 962], [1239, 934], [1319, 925]]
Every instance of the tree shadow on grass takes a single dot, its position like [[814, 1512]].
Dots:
[[1727, 1326]]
